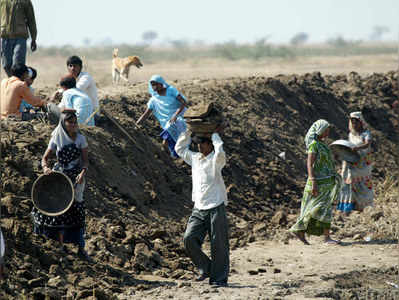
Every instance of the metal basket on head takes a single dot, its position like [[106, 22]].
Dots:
[[203, 118], [201, 126], [53, 194], [199, 111]]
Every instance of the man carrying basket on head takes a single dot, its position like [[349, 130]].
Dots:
[[71, 149], [209, 211]]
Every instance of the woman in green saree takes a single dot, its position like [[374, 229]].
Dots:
[[321, 188]]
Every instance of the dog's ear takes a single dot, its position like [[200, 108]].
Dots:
[[115, 52]]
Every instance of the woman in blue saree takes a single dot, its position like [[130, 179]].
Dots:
[[168, 106]]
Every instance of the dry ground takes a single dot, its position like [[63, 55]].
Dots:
[[52, 68], [270, 270], [273, 267]]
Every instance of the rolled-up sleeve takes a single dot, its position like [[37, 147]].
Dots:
[[182, 147], [220, 155]]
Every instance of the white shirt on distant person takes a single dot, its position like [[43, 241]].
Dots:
[[87, 84], [209, 190]]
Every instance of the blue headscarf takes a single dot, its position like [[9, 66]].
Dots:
[[158, 79], [315, 130]]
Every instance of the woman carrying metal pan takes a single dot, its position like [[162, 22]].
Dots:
[[71, 149], [357, 190]]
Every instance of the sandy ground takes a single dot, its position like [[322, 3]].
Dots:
[[267, 270], [260, 270], [50, 69]]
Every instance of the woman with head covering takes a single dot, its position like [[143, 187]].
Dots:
[[321, 187], [168, 106], [357, 190], [70, 147]]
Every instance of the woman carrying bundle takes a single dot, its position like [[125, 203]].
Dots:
[[321, 187], [70, 147]]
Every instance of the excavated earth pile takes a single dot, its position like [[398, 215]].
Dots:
[[138, 198]]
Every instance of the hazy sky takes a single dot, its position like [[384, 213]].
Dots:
[[124, 21]]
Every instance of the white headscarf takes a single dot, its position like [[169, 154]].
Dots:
[[357, 115], [315, 130], [60, 135]]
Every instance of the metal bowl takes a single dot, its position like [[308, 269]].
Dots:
[[199, 111], [199, 126], [343, 150], [53, 194]]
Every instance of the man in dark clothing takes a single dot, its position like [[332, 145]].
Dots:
[[17, 21]]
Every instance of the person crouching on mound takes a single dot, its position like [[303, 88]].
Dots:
[[168, 105], [209, 212]]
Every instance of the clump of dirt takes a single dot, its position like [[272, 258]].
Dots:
[[138, 199], [363, 284]]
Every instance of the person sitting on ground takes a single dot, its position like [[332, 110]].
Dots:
[[74, 98], [13, 90], [209, 211], [321, 189], [32, 74], [71, 150], [84, 81], [168, 106]]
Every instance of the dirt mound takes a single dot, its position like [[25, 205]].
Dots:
[[138, 199]]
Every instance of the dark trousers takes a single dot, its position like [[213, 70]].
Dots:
[[214, 222], [52, 115], [13, 51]]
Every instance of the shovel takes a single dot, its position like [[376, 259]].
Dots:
[[108, 115]]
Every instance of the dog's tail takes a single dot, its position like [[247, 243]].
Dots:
[[115, 52]]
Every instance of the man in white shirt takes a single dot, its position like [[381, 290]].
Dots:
[[209, 214], [84, 81]]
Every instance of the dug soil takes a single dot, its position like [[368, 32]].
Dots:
[[138, 199]]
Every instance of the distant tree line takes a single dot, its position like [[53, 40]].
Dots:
[[231, 50]]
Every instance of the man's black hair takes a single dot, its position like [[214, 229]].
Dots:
[[74, 60], [34, 73], [19, 70], [69, 82], [201, 139]]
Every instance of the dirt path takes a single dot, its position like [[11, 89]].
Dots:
[[270, 270]]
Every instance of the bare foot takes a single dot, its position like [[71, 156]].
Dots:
[[301, 237], [368, 237], [330, 241]]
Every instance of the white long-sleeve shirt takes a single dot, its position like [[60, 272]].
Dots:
[[209, 190], [87, 84]]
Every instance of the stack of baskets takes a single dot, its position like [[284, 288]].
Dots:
[[203, 119]]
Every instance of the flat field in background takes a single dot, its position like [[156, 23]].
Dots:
[[217, 62]]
